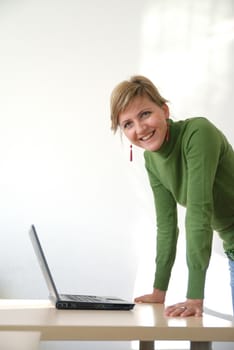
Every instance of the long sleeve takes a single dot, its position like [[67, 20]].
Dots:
[[202, 151], [195, 170], [167, 233]]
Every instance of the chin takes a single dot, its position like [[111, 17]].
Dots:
[[152, 148]]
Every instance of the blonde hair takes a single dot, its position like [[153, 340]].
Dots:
[[126, 91]]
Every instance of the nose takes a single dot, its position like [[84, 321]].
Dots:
[[139, 127]]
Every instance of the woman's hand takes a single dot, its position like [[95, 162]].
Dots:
[[157, 296], [191, 307]]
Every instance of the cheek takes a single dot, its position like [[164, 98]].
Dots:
[[129, 134]]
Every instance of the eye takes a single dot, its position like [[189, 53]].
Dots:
[[145, 114], [127, 125]]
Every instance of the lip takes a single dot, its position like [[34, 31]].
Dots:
[[147, 137]]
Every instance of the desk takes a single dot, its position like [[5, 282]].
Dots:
[[19, 340], [145, 323]]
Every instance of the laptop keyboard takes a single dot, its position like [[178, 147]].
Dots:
[[81, 298]]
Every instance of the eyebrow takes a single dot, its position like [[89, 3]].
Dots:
[[138, 115]]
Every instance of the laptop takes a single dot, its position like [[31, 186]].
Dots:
[[67, 301]]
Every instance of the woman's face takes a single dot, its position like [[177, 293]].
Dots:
[[144, 123]]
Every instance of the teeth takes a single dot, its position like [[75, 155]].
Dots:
[[145, 138]]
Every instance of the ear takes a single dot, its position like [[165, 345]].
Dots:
[[166, 110]]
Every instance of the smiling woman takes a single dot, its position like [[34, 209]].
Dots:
[[144, 123], [126, 91], [141, 112], [186, 168]]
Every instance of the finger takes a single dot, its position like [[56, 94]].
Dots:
[[141, 299], [138, 300], [173, 311], [187, 312], [178, 310], [198, 313], [175, 307]]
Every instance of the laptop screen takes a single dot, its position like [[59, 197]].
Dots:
[[43, 263]]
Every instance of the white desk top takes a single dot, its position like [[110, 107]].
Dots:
[[19, 340], [145, 322]]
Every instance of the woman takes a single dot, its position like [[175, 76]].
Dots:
[[189, 162]]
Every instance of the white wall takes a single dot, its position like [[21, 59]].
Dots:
[[61, 167]]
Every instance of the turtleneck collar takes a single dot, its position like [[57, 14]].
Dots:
[[168, 145]]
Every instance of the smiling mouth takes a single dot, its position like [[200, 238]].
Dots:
[[147, 137]]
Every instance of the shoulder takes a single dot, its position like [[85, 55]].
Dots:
[[198, 135], [200, 128], [202, 138], [199, 123]]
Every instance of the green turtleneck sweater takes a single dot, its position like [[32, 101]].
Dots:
[[195, 168]]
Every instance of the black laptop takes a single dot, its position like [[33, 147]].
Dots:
[[67, 301]]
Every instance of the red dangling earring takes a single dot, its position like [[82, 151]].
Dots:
[[130, 153], [168, 132]]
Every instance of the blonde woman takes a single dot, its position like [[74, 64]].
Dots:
[[189, 162]]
